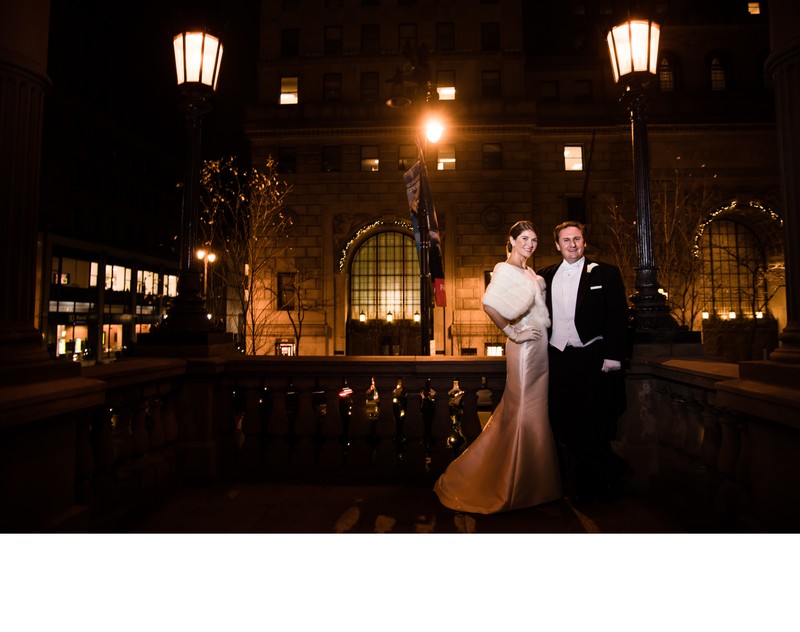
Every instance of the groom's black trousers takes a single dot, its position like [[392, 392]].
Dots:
[[584, 405]]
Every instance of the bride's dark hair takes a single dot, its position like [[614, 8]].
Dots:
[[517, 229]]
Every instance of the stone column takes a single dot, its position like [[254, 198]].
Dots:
[[24, 30], [784, 67]]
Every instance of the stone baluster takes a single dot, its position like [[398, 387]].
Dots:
[[729, 444], [694, 427], [140, 438], [712, 437], [155, 414], [679, 425]]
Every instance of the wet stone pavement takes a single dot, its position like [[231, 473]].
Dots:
[[296, 508]]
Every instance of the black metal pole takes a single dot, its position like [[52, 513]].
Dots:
[[424, 271], [651, 309], [189, 312]]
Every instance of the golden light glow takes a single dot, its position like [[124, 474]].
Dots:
[[197, 58], [434, 130], [633, 47]]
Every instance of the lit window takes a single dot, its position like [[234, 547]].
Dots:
[[494, 349], [289, 91], [754, 8], [573, 157], [733, 262], [384, 277], [446, 158], [369, 158], [446, 85]]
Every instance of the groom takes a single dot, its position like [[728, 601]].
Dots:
[[588, 343]]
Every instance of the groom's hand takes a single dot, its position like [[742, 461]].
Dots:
[[611, 365]]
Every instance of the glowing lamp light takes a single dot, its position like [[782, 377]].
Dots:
[[706, 315], [197, 58], [633, 46], [416, 317], [732, 315], [434, 130], [389, 317], [362, 317], [759, 314]]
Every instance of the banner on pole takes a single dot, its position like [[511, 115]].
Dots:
[[420, 203]]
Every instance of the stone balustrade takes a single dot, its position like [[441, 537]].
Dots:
[[85, 453]]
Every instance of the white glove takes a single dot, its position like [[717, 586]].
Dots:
[[522, 335], [611, 365]]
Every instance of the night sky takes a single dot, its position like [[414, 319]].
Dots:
[[118, 58]]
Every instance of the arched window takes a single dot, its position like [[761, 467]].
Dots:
[[733, 270], [384, 278], [666, 75], [719, 80]]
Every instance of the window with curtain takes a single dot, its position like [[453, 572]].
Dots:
[[384, 277]]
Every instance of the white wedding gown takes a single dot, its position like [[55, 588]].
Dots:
[[512, 463]]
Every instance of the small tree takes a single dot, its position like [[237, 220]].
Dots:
[[244, 219], [300, 295], [679, 200]]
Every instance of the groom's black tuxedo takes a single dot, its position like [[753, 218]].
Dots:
[[585, 402], [600, 309]]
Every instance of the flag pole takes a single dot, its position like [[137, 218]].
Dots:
[[424, 266]]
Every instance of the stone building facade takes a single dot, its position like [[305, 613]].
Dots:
[[531, 82]]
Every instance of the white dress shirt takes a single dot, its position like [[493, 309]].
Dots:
[[564, 296]]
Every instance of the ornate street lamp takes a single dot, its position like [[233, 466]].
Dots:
[[197, 63], [633, 48]]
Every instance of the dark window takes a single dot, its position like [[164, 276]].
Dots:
[[370, 39], [445, 36], [490, 84], [718, 76], [576, 209], [370, 86], [333, 40], [332, 86], [549, 91], [331, 158], [407, 37], [583, 90], [407, 156], [490, 36], [492, 156], [287, 160], [666, 75], [286, 291], [290, 42]]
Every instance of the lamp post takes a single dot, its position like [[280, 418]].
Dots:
[[633, 48], [405, 90], [206, 257], [197, 62]]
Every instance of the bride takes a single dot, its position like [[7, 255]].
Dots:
[[512, 463]]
